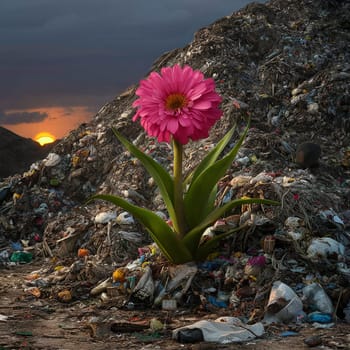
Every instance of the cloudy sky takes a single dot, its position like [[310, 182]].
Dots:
[[62, 60]]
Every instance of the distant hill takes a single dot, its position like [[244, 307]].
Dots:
[[18, 153]]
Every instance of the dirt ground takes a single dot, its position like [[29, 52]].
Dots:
[[28, 322]]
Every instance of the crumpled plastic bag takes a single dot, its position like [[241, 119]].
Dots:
[[225, 330], [284, 305], [143, 292], [324, 247], [179, 283], [316, 296]]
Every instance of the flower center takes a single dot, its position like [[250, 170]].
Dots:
[[175, 101]]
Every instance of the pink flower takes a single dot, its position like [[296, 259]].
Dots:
[[179, 103]]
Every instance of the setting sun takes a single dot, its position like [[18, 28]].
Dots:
[[44, 137]]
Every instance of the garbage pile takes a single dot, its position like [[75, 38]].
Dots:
[[286, 65]]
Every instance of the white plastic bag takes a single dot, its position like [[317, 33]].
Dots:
[[315, 295], [282, 293], [225, 330]]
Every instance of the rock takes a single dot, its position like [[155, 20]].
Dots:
[[308, 154], [313, 341]]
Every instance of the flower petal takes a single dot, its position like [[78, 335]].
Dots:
[[202, 104], [172, 125], [194, 116]]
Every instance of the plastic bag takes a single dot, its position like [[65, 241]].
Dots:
[[223, 330]]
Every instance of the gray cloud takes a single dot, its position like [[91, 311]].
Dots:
[[14, 118], [84, 52]]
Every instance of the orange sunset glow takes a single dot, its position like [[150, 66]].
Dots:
[[60, 121], [44, 138]]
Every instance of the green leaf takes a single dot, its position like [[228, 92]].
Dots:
[[166, 239], [203, 184], [210, 205], [192, 238], [162, 178], [211, 157]]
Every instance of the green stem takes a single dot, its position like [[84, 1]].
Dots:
[[178, 194]]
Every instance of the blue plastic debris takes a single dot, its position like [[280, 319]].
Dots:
[[320, 317], [289, 334], [218, 303], [16, 246]]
